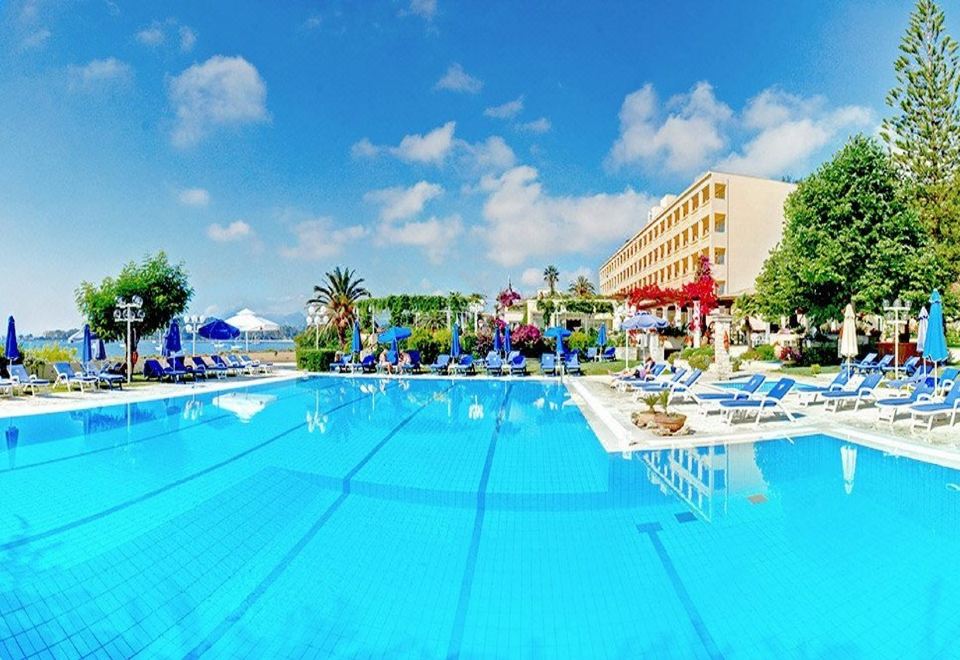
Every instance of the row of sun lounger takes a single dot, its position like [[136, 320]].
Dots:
[[514, 364]]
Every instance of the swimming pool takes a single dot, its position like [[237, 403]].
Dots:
[[435, 518]]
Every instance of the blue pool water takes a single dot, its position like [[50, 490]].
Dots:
[[338, 517]]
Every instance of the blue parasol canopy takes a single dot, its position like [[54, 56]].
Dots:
[[85, 351], [218, 330], [171, 343], [506, 339], [11, 350], [557, 332], [935, 341], [356, 345], [602, 336], [455, 341], [394, 334], [644, 321]]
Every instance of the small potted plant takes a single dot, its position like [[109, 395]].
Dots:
[[645, 418], [668, 421]]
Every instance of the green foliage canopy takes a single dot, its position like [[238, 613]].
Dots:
[[164, 287], [850, 235]]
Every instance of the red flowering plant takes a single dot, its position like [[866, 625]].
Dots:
[[703, 288], [507, 299], [527, 339]]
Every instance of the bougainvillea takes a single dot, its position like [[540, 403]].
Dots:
[[703, 287]]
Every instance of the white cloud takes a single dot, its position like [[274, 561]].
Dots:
[[532, 277], [522, 221], [313, 22], [789, 130], [434, 236], [152, 35], [687, 138], [432, 147], [508, 110], [458, 80], [538, 126], [235, 231], [222, 91], [98, 74], [491, 156], [36, 39], [194, 197], [425, 9], [398, 203], [188, 38], [320, 238]]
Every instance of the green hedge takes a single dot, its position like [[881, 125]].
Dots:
[[313, 359]]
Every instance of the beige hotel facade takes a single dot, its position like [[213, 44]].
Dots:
[[734, 220]]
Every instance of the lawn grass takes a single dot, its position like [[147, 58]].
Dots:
[[807, 371]]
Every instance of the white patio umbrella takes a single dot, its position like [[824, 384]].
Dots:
[[246, 321], [243, 405], [922, 334], [848, 336]]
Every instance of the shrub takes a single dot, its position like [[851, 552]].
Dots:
[[819, 354], [736, 364], [427, 343], [763, 352], [700, 361], [469, 343], [312, 359], [528, 340], [790, 356], [578, 341], [815, 369], [37, 360]]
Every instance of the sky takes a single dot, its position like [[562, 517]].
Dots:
[[432, 145]]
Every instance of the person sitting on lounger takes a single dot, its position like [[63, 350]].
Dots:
[[640, 371], [405, 360], [385, 364]]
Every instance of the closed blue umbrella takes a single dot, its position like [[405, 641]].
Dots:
[[356, 345], [506, 339], [171, 343], [101, 350], [11, 350], [85, 356], [455, 341], [497, 342], [602, 336], [218, 330], [935, 341]]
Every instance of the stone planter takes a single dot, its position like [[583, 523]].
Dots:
[[644, 418], [670, 423]]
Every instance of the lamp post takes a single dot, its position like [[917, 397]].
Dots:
[[476, 307], [895, 308], [697, 330], [317, 316], [621, 315], [192, 325], [129, 311]]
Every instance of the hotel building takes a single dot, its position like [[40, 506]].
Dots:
[[734, 220]]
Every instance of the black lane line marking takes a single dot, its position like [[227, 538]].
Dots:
[[652, 531], [23, 540], [224, 626], [469, 571]]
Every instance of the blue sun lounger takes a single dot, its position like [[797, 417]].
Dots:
[[571, 364], [518, 365], [642, 387], [440, 365], [494, 364], [889, 407], [23, 381], [772, 401], [811, 394], [674, 386], [708, 401], [926, 413], [868, 361], [464, 366], [861, 393], [413, 366], [548, 364]]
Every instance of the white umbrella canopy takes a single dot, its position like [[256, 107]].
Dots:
[[247, 321], [848, 335]]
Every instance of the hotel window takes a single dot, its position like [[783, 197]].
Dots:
[[705, 226], [721, 288], [720, 190], [696, 202], [693, 233], [720, 257], [720, 223], [705, 194]]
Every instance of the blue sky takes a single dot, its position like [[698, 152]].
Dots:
[[434, 146]]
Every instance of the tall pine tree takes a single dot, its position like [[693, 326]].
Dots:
[[924, 132]]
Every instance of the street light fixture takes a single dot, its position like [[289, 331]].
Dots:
[[895, 308], [317, 316], [129, 311], [192, 325]]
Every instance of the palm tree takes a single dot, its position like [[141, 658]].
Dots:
[[339, 292], [551, 275], [582, 287]]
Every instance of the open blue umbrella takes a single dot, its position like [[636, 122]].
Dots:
[[557, 332], [85, 351], [935, 340], [644, 321], [356, 345], [11, 350], [171, 343], [455, 341], [506, 339], [218, 330], [393, 334], [602, 336], [497, 342]]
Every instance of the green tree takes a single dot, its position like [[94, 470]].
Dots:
[[339, 292], [582, 287], [164, 288], [924, 132], [850, 235], [551, 276]]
